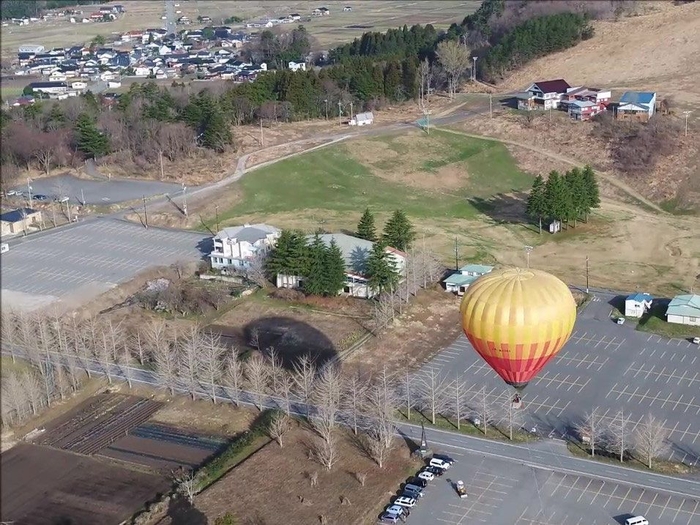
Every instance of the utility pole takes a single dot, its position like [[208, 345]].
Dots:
[[474, 69], [82, 197], [340, 106], [216, 208], [145, 212], [184, 199], [326, 101], [686, 114], [587, 273], [68, 211], [456, 254], [29, 189], [350, 111], [528, 249], [162, 173], [490, 105]]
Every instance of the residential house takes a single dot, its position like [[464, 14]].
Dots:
[[57, 76], [49, 87], [583, 109], [20, 220], [295, 16], [297, 66], [356, 253], [347, 8], [636, 105], [31, 48], [78, 84], [459, 281], [684, 309], [27, 100], [543, 95], [239, 245], [637, 304], [114, 84], [595, 95], [321, 11], [362, 119]]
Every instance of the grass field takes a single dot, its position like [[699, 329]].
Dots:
[[327, 31]]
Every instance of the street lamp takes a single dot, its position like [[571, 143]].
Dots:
[[528, 249], [474, 69], [326, 101], [686, 114], [184, 199]]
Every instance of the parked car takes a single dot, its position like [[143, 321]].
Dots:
[[389, 518], [405, 502], [4, 247], [435, 470], [696, 340], [426, 475], [413, 490], [419, 482], [620, 320], [40, 197], [443, 462]]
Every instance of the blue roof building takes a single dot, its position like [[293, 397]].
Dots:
[[684, 309], [637, 304], [459, 281], [637, 104]]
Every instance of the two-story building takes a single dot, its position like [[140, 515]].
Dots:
[[356, 253], [636, 105], [238, 246], [637, 304], [459, 281], [543, 95]]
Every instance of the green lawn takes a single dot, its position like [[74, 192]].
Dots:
[[655, 322], [332, 179]]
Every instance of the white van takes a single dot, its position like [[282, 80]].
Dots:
[[637, 520], [4, 247]]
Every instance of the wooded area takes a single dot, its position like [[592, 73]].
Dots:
[[27, 8]]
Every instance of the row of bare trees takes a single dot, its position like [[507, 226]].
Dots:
[[619, 435]]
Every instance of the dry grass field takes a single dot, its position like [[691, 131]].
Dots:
[[657, 51], [328, 31]]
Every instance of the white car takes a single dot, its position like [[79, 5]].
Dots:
[[427, 476], [696, 340], [405, 502], [440, 463], [396, 510]]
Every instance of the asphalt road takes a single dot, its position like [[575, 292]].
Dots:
[[605, 365], [88, 258], [87, 191]]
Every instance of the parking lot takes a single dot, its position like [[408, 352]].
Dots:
[[89, 258], [504, 493], [604, 365]]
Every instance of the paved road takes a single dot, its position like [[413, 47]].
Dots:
[[85, 259], [604, 365]]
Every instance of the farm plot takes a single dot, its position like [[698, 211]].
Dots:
[[43, 486], [163, 448], [97, 423]]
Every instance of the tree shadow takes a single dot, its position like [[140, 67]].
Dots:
[[504, 208], [181, 512], [290, 338]]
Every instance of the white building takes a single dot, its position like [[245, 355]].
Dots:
[[684, 309], [636, 104], [459, 282], [297, 66], [355, 253], [637, 304], [31, 48], [239, 245], [78, 84], [362, 119]]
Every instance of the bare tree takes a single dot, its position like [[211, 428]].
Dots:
[[255, 338], [455, 59], [275, 364], [138, 343], [592, 429], [15, 396], [484, 409], [326, 397], [326, 451], [125, 364], [189, 360], [164, 355], [9, 335], [233, 376], [304, 376], [104, 354], [456, 402], [284, 389], [407, 392], [211, 357], [354, 389], [380, 440], [650, 439], [279, 427], [186, 484], [258, 374], [513, 414], [432, 392], [255, 271], [61, 381], [617, 440], [425, 76], [34, 391], [74, 373]]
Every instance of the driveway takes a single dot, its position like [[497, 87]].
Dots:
[[99, 191]]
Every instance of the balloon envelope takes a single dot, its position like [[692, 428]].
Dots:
[[517, 320]]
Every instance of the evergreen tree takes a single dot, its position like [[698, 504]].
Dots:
[[89, 139], [591, 190], [381, 271], [399, 232], [288, 257], [577, 192], [366, 228], [537, 201], [315, 275], [557, 197], [334, 270]]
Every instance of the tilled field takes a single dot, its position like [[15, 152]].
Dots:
[[162, 448], [45, 486], [97, 423]]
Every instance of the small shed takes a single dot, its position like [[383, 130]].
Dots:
[[459, 281], [362, 119], [19, 220], [637, 304]]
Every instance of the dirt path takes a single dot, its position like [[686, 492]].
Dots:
[[567, 160]]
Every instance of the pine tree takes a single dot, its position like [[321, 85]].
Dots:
[[577, 191], [590, 185], [90, 140], [557, 197], [366, 228], [381, 271], [289, 256], [399, 232], [537, 201], [334, 270], [314, 277]]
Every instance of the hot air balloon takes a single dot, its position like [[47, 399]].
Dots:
[[517, 320]]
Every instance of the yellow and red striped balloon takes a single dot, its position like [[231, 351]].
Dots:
[[517, 320]]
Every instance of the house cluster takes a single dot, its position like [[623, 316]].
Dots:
[[459, 281], [101, 14], [236, 248], [583, 103], [682, 309]]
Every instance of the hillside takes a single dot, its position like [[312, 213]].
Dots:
[[656, 51]]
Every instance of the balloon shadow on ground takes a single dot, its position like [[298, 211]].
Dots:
[[505, 208], [290, 338]]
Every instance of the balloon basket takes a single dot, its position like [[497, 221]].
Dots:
[[517, 404]]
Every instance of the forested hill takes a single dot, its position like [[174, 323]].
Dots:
[[27, 8]]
